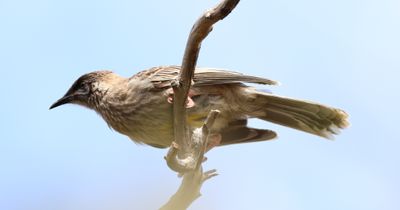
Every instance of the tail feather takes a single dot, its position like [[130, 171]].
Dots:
[[303, 115]]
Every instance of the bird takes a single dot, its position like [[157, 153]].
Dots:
[[141, 106]]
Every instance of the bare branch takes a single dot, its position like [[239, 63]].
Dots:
[[194, 179], [189, 190], [182, 134], [205, 131], [186, 153], [198, 146]]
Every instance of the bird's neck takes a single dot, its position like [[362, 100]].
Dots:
[[118, 102]]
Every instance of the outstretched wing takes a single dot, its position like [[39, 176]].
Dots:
[[163, 76]]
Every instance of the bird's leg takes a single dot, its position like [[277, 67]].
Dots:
[[189, 102], [214, 140]]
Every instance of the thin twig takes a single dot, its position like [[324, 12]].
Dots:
[[205, 130]]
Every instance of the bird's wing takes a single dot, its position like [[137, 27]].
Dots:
[[238, 132], [209, 76], [163, 76]]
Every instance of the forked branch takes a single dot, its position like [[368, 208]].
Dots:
[[186, 153], [183, 146], [194, 179]]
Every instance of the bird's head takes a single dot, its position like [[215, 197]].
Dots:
[[86, 90]]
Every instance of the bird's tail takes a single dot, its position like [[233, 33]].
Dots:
[[303, 115]]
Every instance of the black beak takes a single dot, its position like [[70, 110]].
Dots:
[[64, 100]]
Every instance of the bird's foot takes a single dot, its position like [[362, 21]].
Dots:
[[189, 102], [213, 141]]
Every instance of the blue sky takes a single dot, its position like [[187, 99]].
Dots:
[[342, 53]]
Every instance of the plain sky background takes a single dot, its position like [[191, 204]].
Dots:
[[345, 53]]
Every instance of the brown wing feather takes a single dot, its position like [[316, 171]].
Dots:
[[163, 76], [238, 132], [208, 76]]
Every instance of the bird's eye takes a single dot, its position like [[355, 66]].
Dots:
[[84, 89]]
